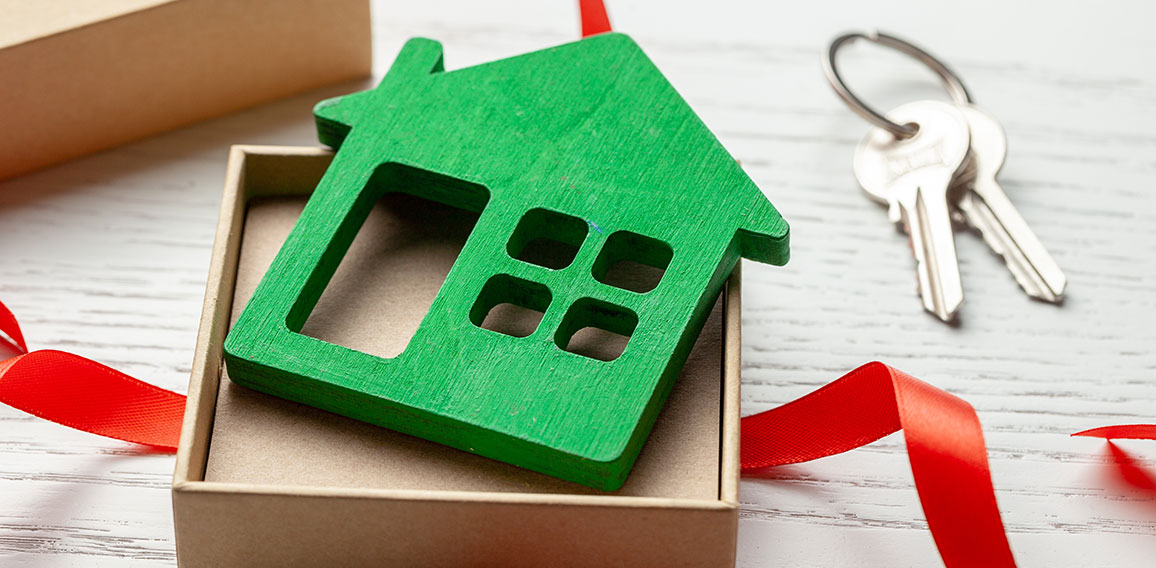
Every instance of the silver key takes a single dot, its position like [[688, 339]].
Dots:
[[915, 177], [988, 210]]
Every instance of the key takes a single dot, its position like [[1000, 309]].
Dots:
[[987, 209], [915, 178]]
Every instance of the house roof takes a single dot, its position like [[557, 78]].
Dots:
[[590, 127]]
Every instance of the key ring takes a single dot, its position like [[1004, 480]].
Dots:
[[950, 80]]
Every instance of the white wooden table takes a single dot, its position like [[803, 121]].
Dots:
[[106, 257]]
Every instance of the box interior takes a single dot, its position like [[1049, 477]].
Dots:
[[374, 303]]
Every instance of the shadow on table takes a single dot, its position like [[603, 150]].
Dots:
[[1129, 475], [791, 477], [57, 526]]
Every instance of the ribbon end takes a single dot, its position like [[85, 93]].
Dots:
[[594, 18]]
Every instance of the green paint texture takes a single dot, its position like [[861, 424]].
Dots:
[[585, 145]]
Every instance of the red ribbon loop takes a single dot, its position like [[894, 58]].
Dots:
[[83, 394], [944, 444], [9, 327]]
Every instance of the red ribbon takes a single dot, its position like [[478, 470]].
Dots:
[[1133, 431], [83, 394], [1128, 468], [944, 444], [944, 440], [594, 18]]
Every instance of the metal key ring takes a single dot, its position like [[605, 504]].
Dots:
[[950, 80]]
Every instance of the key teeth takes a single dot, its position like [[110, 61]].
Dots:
[[945, 295], [1033, 284], [1035, 288]]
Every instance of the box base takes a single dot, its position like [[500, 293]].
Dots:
[[264, 481]]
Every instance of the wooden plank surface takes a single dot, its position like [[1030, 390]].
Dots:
[[106, 256]]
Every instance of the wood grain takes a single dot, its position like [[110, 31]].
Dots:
[[106, 256]]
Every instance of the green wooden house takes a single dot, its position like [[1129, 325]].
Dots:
[[585, 149]]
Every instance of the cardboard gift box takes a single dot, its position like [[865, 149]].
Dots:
[[262, 481], [78, 76]]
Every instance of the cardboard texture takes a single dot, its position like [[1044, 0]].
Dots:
[[82, 76], [262, 481]]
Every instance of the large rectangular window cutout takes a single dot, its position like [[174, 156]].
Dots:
[[382, 288]]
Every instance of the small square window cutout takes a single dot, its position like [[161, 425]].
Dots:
[[510, 306], [596, 329], [547, 238], [632, 262]]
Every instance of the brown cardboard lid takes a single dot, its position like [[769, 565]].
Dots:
[[80, 76], [375, 301], [25, 21]]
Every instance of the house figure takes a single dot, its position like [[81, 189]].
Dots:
[[585, 148]]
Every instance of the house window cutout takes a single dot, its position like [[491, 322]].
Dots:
[[510, 306], [632, 262], [398, 244], [547, 238], [596, 329]]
